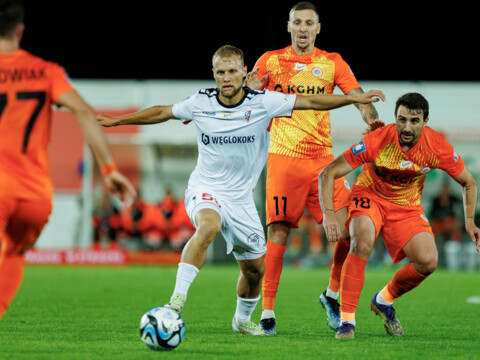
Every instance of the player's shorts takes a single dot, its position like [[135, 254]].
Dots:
[[21, 222], [398, 224], [292, 185], [241, 226]]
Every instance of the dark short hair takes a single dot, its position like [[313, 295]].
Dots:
[[228, 51], [413, 101], [304, 5], [12, 13]]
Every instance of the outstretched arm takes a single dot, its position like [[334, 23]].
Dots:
[[367, 112], [337, 168], [115, 182], [469, 189], [148, 116], [332, 101]]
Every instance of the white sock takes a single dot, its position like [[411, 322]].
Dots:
[[381, 300], [332, 294], [244, 309], [186, 273], [267, 314]]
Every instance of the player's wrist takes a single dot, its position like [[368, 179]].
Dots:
[[107, 169]]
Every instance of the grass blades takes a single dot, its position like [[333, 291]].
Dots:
[[94, 313]]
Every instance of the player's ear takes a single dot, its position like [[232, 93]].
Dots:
[[426, 120]]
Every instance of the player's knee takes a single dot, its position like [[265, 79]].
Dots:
[[361, 247], [207, 230], [254, 275], [427, 264]]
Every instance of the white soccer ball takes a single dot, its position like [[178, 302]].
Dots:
[[162, 328]]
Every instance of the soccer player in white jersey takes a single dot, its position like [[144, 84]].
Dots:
[[233, 136]]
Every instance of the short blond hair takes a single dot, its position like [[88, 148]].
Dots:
[[227, 51]]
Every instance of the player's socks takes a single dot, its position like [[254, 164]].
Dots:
[[340, 252], [273, 270], [186, 273], [353, 278], [244, 309], [405, 279], [11, 275], [332, 294], [267, 314]]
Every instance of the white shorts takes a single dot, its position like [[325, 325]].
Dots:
[[241, 225]]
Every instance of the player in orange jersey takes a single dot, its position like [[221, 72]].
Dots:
[[386, 199], [300, 147], [28, 87]]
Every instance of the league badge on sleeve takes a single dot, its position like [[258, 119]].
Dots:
[[359, 148]]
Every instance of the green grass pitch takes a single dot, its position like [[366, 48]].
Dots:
[[94, 313]]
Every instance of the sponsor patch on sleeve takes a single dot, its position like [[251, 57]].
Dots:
[[359, 148]]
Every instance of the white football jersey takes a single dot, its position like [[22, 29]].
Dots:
[[232, 140]]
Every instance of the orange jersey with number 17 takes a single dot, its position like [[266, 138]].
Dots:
[[398, 176], [29, 86], [306, 134]]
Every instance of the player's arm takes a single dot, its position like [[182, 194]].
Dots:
[[469, 190], [368, 113], [337, 168], [116, 183], [333, 101], [148, 116]]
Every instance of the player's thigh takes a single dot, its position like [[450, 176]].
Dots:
[[287, 189], [27, 222]]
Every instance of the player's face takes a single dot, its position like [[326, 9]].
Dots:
[[303, 27], [229, 74], [409, 125]]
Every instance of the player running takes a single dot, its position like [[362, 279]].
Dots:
[[233, 136], [28, 88], [301, 146], [386, 198]]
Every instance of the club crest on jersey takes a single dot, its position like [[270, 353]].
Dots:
[[317, 72], [406, 164], [359, 148], [248, 114], [300, 67], [425, 170]]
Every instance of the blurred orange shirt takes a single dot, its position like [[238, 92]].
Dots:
[[398, 176], [307, 133], [29, 86]]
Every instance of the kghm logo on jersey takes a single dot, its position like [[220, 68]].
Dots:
[[359, 148]]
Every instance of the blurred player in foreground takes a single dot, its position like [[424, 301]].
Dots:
[[386, 198], [28, 87], [301, 146], [233, 136]]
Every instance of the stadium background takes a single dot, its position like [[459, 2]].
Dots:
[[126, 58]]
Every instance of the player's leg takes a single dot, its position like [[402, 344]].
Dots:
[[329, 298], [208, 224], [363, 234], [249, 286], [422, 253], [287, 189], [21, 223]]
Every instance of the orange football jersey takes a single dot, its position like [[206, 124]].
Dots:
[[398, 176], [307, 133], [29, 86]]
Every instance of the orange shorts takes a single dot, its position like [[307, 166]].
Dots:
[[398, 224], [21, 222], [292, 186]]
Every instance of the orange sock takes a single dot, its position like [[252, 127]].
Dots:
[[405, 279], [273, 269], [11, 275], [351, 284], [342, 247]]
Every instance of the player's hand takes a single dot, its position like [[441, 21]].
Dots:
[[369, 97], [119, 186], [106, 120], [374, 125], [331, 226], [474, 233], [252, 80]]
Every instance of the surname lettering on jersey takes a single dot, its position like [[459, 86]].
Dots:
[[21, 74], [300, 89]]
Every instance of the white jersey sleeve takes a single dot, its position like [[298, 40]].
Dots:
[[184, 109], [279, 104]]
